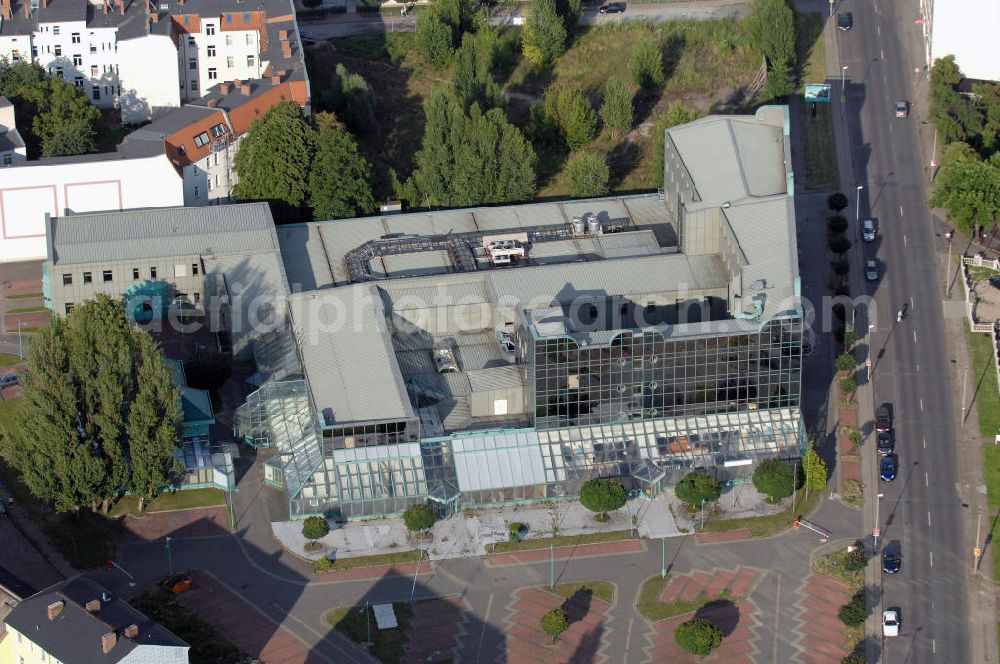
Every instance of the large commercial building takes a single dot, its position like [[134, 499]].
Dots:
[[492, 355], [966, 29]]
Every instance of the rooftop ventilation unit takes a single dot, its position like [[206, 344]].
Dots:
[[502, 252], [444, 358]]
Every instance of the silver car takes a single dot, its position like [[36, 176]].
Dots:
[[868, 230], [871, 270]]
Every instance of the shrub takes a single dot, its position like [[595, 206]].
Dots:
[[698, 636], [814, 468], [839, 244], [846, 361], [841, 268], [418, 517], [855, 561], [854, 658], [602, 496], [555, 622], [646, 62], [616, 109], [315, 527], [837, 201], [850, 338], [848, 385], [836, 224], [588, 175], [854, 613], [774, 478], [514, 531], [323, 564], [434, 40], [695, 487]]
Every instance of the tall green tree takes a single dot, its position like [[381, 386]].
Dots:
[[646, 61], [67, 122], [273, 160], [968, 186], [587, 174], [472, 73], [570, 111], [469, 157], [616, 110], [814, 468], [602, 496], [772, 30], [434, 40], [543, 38], [350, 97], [155, 421], [954, 116], [339, 176]]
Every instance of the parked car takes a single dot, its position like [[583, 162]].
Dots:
[[887, 469], [868, 230], [612, 8], [871, 270], [7, 380], [902, 108], [884, 443], [891, 561], [845, 21], [883, 417], [890, 623]]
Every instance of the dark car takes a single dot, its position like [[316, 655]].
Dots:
[[887, 469], [890, 561], [845, 21], [884, 443], [883, 418], [612, 8]]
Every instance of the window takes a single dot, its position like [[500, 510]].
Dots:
[[93, 71], [15, 56], [59, 71], [194, 84], [250, 60], [8, 160], [187, 20], [201, 139], [75, 37], [107, 276], [230, 61], [67, 279], [213, 73], [78, 82], [58, 49], [209, 187], [197, 298], [180, 271], [209, 29], [77, 60], [190, 39], [93, 49], [55, 29], [218, 130], [135, 274], [196, 195], [249, 39], [96, 93], [192, 63], [69, 308], [229, 40], [152, 273], [194, 269], [87, 278], [246, 17], [211, 51]]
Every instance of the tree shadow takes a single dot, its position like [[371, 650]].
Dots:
[[722, 613], [577, 605]]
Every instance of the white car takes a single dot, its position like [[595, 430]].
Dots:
[[868, 230], [871, 271], [890, 623]]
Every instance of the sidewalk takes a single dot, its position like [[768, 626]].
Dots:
[[37, 540]]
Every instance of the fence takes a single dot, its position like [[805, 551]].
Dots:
[[993, 329]]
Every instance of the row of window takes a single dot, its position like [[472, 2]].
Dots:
[[230, 61], [69, 306], [108, 275], [229, 39]]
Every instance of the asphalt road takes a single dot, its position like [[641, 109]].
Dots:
[[921, 511]]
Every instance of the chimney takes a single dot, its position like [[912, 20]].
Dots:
[[155, 14], [55, 608], [283, 34], [286, 49], [131, 631], [93, 606], [276, 79], [45, 4], [26, 7], [212, 103], [226, 88], [105, 6], [121, 6], [108, 642], [5, 9], [245, 89]]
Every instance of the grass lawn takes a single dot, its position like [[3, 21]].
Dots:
[[991, 466], [8, 360], [772, 524], [602, 590], [981, 273], [344, 564], [25, 296], [653, 609], [207, 645], [357, 623], [983, 383], [820, 149], [26, 310], [171, 500], [563, 540]]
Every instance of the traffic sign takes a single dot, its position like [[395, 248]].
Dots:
[[920, 21], [977, 552], [876, 532], [868, 362]]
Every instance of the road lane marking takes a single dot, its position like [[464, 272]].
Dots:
[[933, 645], [900, 209], [878, 29], [927, 481], [928, 518], [925, 443], [911, 302], [880, 51], [628, 637], [932, 558], [921, 404], [914, 336], [904, 240], [777, 614], [486, 621], [918, 368]]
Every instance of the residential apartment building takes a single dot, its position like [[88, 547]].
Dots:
[[78, 622], [965, 29], [116, 50]]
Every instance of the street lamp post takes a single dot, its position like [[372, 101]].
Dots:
[[663, 557], [843, 83], [413, 588], [857, 205], [20, 347], [552, 566], [878, 500], [170, 558]]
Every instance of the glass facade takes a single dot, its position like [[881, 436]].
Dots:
[[642, 375]]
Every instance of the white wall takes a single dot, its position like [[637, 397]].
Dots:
[[27, 193], [967, 29], [234, 44], [149, 83], [21, 44], [211, 180]]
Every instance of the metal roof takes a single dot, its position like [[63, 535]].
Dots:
[[186, 231], [498, 460], [75, 634], [623, 245], [348, 357]]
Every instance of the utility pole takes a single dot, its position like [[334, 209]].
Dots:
[[552, 565], [413, 588], [876, 532], [977, 552], [170, 558], [663, 557], [965, 384], [20, 346]]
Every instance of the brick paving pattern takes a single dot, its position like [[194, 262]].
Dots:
[[195, 522], [563, 552], [377, 572], [243, 625], [579, 644], [823, 637], [436, 631], [733, 618], [728, 536], [849, 470]]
